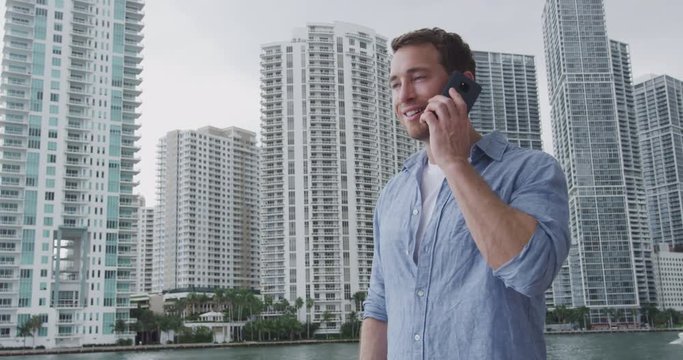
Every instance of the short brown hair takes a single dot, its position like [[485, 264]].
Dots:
[[455, 53]]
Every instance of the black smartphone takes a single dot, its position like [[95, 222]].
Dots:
[[466, 87]]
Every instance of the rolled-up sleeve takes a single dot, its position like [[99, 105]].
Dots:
[[374, 305], [543, 195]]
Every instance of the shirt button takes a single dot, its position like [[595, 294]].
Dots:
[[417, 337], [420, 293], [416, 211]]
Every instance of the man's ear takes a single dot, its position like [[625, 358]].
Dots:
[[469, 75]]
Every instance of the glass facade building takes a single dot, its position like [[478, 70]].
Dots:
[[659, 110], [68, 215], [509, 98], [595, 141]]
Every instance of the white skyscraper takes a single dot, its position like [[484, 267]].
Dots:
[[330, 142], [68, 223], [659, 111], [593, 120], [509, 98], [145, 248], [208, 210]]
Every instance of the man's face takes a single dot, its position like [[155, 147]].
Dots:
[[416, 76]]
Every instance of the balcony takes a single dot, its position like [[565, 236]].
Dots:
[[79, 78], [18, 22], [77, 140], [82, 11], [66, 304], [80, 32], [134, 36], [80, 20], [16, 70], [134, 11], [133, 47]]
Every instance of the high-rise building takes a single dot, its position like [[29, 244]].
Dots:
[[659, 110], [509, 98], [595, 142], [633, 172], [207, 186], [330, 142], [68, 223], [159, 232], [668, 274], [145, 248]]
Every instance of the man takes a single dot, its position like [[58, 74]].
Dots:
[[470, 233]]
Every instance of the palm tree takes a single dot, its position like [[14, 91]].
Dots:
[[611, 312], [34, 324], [309, 304], [24, 330], [203, 300], [327, 316], [268, 301], [230, 297], [581, 313], [192, 301], [358, 299], [177, 307], [298, 304], [170, 322], [673, 316], [650, 311]]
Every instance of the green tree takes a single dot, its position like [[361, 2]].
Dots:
[[119, 327], [327, 317], [612, 313], [298, 304], [32, 325], [582, 316], [309, 305], [268, 301], [146, 323], [673, 317], [24, 331], [351, 328], [649, 312], [358, 299]]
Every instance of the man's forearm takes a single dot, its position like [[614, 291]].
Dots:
[[373, 340], [500, 231]]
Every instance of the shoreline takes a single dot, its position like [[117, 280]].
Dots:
[[607, 331], [159, 347], [144, 348]]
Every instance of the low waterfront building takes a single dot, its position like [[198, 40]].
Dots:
[[668, 269]]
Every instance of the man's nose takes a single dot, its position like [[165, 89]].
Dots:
[[406, 92]]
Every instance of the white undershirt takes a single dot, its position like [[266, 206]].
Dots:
[[432, 178]]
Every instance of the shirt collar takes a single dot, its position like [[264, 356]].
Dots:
[[493, 145]]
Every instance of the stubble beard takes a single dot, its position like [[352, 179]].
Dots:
[[418, 131]]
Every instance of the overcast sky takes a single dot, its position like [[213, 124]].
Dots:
[[201, 57]]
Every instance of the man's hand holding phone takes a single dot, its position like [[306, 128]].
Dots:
[[449, 125]]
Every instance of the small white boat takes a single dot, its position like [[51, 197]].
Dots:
[[678, 341]]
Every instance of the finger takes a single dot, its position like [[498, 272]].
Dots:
[[458, 101], [440, 107], [428, 117], [450, 104]]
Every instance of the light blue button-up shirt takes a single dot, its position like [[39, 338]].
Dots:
[[452, 304]]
